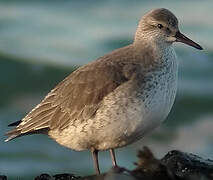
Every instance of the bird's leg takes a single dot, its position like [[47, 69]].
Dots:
[[95, 160], [112, 153], [115, 166]]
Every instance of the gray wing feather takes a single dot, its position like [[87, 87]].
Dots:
[[76, 98]]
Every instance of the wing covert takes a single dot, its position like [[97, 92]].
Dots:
[[76, 98]]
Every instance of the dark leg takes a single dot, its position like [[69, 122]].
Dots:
[[112, 153], [95, 160]]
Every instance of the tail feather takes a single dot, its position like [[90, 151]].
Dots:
[[15, 123], [13, 134], [17, 133], [10, 138]]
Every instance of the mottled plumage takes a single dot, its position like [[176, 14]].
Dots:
[[116, 99]]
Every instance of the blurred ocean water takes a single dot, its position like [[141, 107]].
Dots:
[[43, 41]]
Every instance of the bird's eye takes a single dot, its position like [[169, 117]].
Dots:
[[160, 26]]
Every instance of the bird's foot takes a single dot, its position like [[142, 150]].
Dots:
[[117, 169]]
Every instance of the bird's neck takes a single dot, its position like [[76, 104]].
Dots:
[[157, 47], [157, 52]]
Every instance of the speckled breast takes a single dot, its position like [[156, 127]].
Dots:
[[128, 114]]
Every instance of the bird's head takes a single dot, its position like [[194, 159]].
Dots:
[[161, 26]]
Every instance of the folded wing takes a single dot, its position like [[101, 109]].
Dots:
[[76, 98]]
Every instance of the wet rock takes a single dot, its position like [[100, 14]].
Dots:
[[188, 166], [43, 177], [65, 177]]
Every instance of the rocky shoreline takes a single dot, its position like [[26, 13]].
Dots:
[[175, 165]]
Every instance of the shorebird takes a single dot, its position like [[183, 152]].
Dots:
[[116, 99]]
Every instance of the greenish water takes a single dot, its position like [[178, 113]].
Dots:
[[42, 42], [19, 76]]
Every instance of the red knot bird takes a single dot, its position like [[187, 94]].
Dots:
[[116, 99]]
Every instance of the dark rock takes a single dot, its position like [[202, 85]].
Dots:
[[150, 168], [3, 177], [187, 165], [43, 177], [65, 177]]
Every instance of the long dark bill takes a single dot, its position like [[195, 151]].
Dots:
[[181, 38]]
